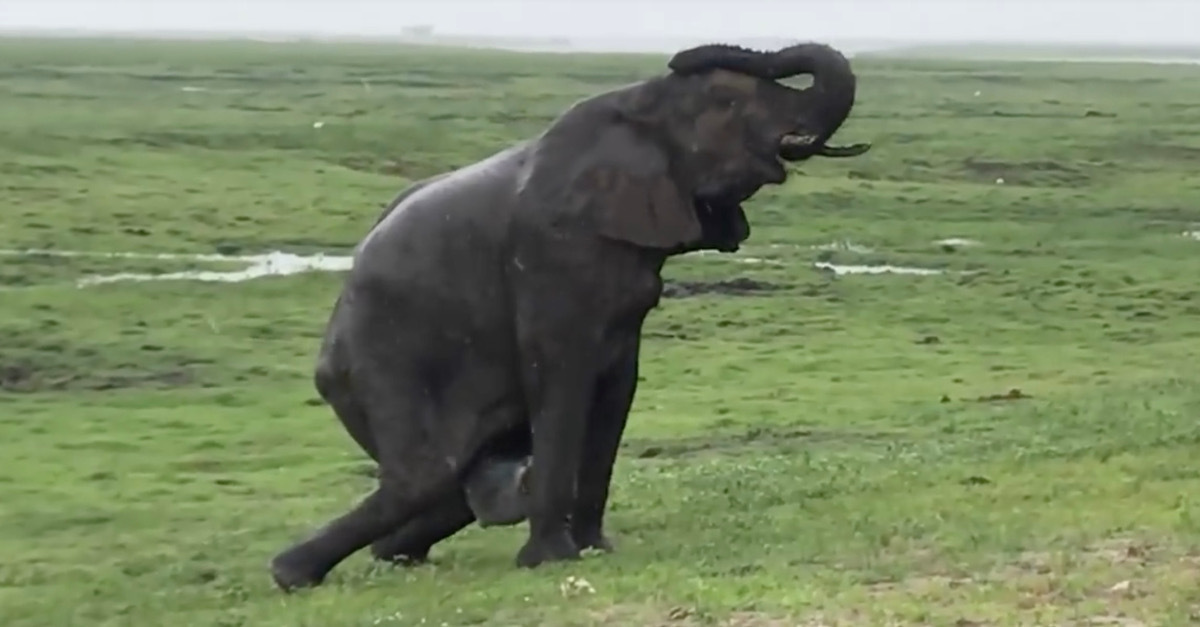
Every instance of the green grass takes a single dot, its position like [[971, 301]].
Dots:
[[1042, 51], [842, 451]]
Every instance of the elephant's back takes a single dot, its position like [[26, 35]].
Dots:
[[475, 194], [443, 226], [437, 261]]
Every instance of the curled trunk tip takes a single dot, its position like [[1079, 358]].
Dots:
[[807, 58], [727, 57]]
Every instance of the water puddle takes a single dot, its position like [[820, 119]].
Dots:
[[844, 246], [752, 260], [259, 266], [736, 258], [842, 269], [51, 252], [957, 241], [274, 263], [278, 263]]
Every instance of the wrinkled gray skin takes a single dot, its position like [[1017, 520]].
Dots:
[[496, 311]]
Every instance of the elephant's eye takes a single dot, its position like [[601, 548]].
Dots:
[[725, 99]]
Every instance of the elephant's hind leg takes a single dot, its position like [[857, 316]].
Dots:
[[451, 512], [411, 479], [336, 389], [306, 563], [410, 543]]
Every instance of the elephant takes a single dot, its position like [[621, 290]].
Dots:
[[494, 312], [494, 492], [497, 491]]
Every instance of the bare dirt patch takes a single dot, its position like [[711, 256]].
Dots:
[[32, 376], [629, 615], [1038, 173], [1119, 582], [740, 286], [30, 365], [1012, 395], [756, 439], [395, 166]]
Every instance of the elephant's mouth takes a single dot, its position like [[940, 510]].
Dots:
[[723, 223], [719, 209], [800, 146]]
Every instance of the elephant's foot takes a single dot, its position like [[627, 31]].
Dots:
[[292, 572], [593, 539], [402, 557], [409, 545], [556, 547]]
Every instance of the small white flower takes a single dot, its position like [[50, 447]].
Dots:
[[574, 586]]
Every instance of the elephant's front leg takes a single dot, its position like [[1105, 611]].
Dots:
[[560, 377], [605, 427]]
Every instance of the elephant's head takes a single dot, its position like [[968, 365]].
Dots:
[[734, 123], [708, 135]]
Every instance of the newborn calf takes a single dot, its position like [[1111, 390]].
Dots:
[[497, 490], [494, 491]]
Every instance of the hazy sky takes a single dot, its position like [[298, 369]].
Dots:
[[1129, 21]]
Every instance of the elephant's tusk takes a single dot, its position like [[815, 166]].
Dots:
[[852, 150]]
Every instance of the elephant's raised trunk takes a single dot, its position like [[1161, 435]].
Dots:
[[833, 85]]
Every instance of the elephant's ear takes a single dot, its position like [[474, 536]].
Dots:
[[645, 209]]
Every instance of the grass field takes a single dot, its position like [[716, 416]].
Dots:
[[842, 450], [1040, 52]]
